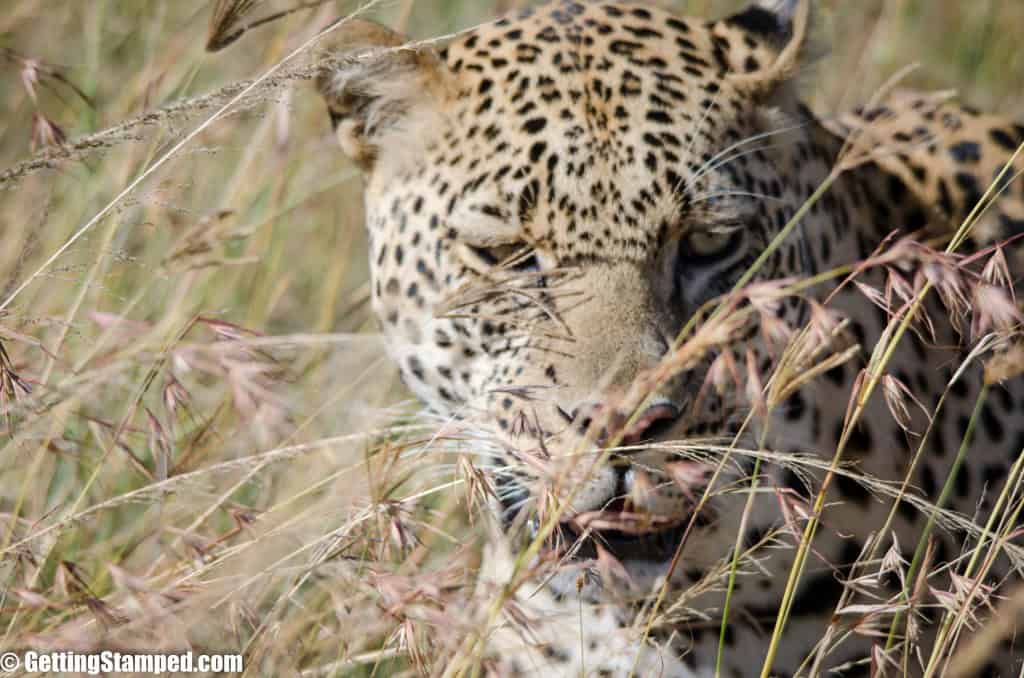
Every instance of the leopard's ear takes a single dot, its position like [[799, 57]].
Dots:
[[375, 87], [783, 12], [782, 25]]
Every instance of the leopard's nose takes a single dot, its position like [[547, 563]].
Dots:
[[611, 425]]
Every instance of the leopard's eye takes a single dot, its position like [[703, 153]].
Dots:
[[708, 244], [510, 257]]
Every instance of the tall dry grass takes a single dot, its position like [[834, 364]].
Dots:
[[202, 443]]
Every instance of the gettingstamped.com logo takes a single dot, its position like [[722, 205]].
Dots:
[[112, 662]]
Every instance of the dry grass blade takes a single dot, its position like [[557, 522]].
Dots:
[[11, 387], [224, 28], [248, 88], [46, 132], [35, 72], [1008, 619], [131, 130], [224, 19]]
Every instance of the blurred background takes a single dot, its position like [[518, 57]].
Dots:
[[192, 397]]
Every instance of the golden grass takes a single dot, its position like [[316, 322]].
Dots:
[[203, 444]]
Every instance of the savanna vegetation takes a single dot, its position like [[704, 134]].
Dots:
[[202, 443]]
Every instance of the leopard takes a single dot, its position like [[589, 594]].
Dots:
[[616, 239]]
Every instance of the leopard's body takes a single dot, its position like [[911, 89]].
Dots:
[[552, 196]]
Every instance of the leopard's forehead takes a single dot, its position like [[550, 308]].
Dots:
[[591, 137], [564, 40], [590, 128]]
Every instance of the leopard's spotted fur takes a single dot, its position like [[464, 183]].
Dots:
[[552, 196]]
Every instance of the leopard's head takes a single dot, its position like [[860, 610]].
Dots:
[[550, 199]]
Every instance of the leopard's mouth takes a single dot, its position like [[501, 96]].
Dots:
[[657, 546], [625, 534], [621, 527]]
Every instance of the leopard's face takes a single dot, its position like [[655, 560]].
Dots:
[[550, 200]]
